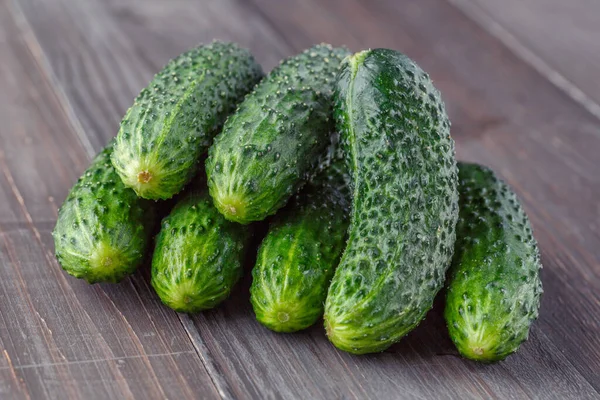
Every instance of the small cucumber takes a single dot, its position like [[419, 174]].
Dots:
[[396, 137], [495, 288], [298, 257], [103, 228], [271, 145], [198, 255], [173, 120]]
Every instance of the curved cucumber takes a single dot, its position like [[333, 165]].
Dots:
[[198, 255], [173, 120], [103, 228], [271, 145], [494, 290], [396, 138], [298, 257]]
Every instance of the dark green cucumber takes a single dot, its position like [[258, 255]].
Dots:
[[173, 120], [270, 146], [103, 229], [494, 289], [396, 138], [298, 257], [198, 255]]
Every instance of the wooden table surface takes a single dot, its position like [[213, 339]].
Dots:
[[521, 82]]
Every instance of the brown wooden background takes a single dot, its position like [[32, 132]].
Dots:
[[521, 79]]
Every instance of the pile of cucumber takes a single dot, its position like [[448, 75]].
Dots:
[[350, 160]]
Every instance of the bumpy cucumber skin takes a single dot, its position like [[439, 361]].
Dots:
[[401, 158], [494, 288], [103, 228], [198, 255], [298, 257], [271, 145], [173, 121]]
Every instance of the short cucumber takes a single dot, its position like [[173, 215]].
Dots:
[[198, 255], [494, 290], [271, 145], [298, 257], [396, 138], [103, 229], [173, 120]]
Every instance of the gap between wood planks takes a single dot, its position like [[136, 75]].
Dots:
[[47, 72], [218, 379], [472, 12], [487, 23]]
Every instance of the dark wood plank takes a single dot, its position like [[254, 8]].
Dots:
[[304, 365], [559, 38], [504, 113], [109, 50], [60, 337], [125, 41], [539, 370]]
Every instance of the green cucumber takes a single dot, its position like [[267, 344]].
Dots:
[[103, 228], [198, 255], [396, 137], [494, 288], [271, 145], [173, 121], [298, 257]]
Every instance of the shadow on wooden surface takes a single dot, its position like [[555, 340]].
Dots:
[[68, 71]]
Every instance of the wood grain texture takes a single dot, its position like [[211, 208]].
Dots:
[[507, 116], [118, 341], [61, 338], [559, 38], [110, 49]]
